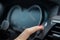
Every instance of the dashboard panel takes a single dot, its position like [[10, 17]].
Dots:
[[20, 14]]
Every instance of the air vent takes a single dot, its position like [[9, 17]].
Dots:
[[54, 33]]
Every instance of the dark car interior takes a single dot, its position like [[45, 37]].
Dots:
[[17, 15]]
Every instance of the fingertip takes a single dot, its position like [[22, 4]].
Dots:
[[41, 27]]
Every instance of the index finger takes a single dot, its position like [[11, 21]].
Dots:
[[27, 32]]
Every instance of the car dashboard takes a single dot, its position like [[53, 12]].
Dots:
[[17, 15]]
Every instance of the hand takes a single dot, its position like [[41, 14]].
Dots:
[[27, 32]]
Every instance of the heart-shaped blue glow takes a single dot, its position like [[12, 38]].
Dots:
[[21, 19]]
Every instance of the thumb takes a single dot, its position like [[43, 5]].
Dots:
[[27, 32]]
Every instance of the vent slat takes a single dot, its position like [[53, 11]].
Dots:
[[57, 27], [54, 33]]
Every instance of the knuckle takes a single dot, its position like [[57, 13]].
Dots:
[[28, 30]]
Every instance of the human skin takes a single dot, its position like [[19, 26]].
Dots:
[[27, 32]]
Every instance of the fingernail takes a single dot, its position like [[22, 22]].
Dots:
[[41, 26]]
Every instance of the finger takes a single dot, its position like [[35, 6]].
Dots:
[[27, 32], [34, 29]]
